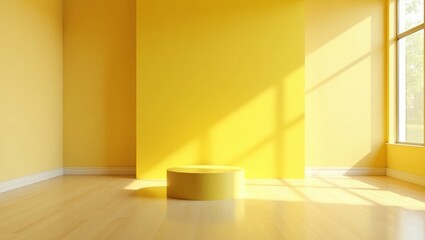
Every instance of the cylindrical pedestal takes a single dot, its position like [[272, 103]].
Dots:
[[205, 182]]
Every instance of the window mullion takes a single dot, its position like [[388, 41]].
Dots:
[[410, 31]]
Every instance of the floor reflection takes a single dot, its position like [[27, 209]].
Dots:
[[217, 211], [307, 209]]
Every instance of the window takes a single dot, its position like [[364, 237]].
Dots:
[[410, 67]]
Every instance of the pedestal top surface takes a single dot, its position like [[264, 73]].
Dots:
[[202, 169]]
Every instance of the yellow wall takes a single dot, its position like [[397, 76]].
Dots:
[[30, 87], [99, 83], [220, 82], [345, 83], [406, 158]]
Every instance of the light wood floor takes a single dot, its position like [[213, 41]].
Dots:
[[95, 207]]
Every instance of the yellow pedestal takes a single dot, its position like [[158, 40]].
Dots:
[[205, 182]]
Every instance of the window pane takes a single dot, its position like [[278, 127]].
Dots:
[[410, 14], [410, 88]]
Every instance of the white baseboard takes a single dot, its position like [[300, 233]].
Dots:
[[408, 177], [30, 179], [100, 171], [354, 171]]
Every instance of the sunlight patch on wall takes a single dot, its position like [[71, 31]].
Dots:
[[265, 136], [245, 138], [338, 54], [339, 99], [188, 153], [344, 113], [290, 146], [244, 129], [292, 106], [259, 161]]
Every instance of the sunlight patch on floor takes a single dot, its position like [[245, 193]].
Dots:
[[139, 184]]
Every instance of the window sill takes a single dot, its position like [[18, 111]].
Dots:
[[406, 145]]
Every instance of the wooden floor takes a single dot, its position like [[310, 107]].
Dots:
[[94, 207]]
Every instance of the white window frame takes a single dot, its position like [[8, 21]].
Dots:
[[399, 100]]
